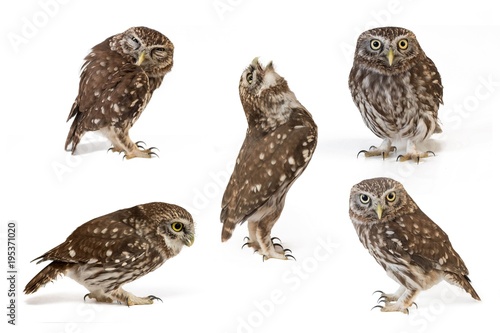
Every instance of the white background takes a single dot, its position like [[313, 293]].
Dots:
[[197, 122]]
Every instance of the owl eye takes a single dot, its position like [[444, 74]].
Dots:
[[403, 44], [133, 42], [364, 198], [375, 44], [177, 226], [250, 78], [391, 196]]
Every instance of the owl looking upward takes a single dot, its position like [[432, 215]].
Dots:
[[279, 143], [117, 81], [397, 90]]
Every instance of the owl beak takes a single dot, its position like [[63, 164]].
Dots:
[[390, 57], [189, 240], [380, 211], [142, 56]]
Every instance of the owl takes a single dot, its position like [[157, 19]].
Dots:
[[109, 251], [397, 90], [117, 81], [279, 143], [414, 251]]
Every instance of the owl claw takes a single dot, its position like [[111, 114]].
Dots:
[[274, 238], [279, 245], [378, 291], [362, 151], [154, 298], [377, 306], [288, 256], [246, 244]]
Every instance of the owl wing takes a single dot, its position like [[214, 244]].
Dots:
[[110, 92], [100, 241], [425, 244], [266, 164]]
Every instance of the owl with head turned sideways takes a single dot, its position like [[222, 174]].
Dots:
[[397, 90], [117, 81], [413, 250], [280, 140], [117, 248]]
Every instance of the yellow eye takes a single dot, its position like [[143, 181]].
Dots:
[[177, 226], [403, 44], [250, 78], [364, 198], [391, 196], [375, 44]]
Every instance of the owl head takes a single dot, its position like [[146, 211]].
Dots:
[[265, 96], [147, 48], [173, 223], [388, 50], [379, 200]]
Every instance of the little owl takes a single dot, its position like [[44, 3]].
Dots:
[[397, 90], [112, 250], [117, 81], [279, 143], [414, 251]]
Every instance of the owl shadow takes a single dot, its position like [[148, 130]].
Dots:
[[92, 147], [58, 298]]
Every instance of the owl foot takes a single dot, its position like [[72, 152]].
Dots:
[[414, 156], [134, 300], [380, 151], [400, 301]]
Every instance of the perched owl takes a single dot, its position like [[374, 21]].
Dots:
[[412, 249], [397, 90], [117, 81], [279, 143], [118, 248]]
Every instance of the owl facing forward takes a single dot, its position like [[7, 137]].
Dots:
[[117, 81], [279, 143], [118, 248], [397, 90], [414, 251]]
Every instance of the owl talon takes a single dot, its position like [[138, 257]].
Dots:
[[279, 245], [378, 291], [377, 307], [274, 238], [246, 244], [154, 298], [288, 256], [362, 151]]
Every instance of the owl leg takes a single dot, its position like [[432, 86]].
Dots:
[[122, 143], [383, 150], [412, 153]]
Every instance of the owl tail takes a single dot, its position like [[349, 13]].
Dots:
[[462, 281], [46, 275], [74, 134]]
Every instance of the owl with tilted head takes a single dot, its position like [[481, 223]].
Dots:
[[280, 140], [397, 90], [414, 251], [117, 81]]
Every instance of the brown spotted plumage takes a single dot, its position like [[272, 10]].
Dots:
[[414, 251], [117, 81], [280, 141], [118, 248], [397, 90]]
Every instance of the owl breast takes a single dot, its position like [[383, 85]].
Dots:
[[391, 106], [382, 242]]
